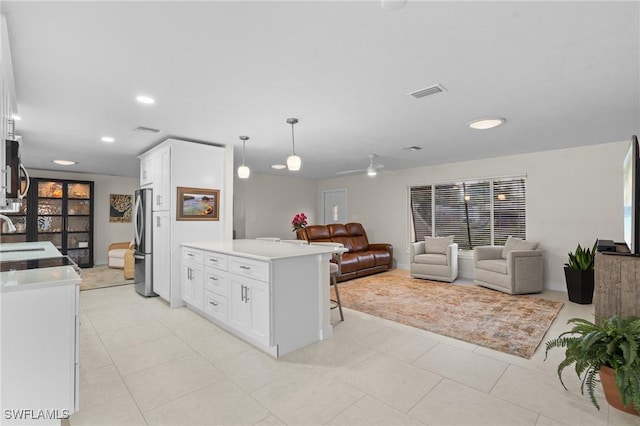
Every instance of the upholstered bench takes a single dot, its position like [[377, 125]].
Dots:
[[121, 257]]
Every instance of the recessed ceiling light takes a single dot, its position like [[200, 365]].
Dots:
[[64, 162], [145, 99], [16, 117], [486, 123], [278, 166], [107, 139]]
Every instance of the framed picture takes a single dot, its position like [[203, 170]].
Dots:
[[120, 207], [198, 204]]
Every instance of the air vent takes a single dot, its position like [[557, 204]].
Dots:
[[428, 91], [146, 129], [413, 148]]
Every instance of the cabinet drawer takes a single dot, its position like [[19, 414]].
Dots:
[[216, 281], [249, 268], [216, 260], [192, 255], [215, 306]]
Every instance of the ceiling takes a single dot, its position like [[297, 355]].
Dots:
[[563, 74]]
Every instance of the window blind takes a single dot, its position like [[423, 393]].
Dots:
[[509, 211], [421, 207], [474, 212]]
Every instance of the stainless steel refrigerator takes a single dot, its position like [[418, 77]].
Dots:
[[143, 231]]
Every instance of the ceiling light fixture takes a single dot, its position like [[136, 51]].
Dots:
[[65, 162], [371, 171], [16, 117], [293, 161], [107, 139], [243, 171], [278, 166], [486, 123], [145, 99]]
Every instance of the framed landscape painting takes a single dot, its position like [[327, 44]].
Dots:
[[198, 204]]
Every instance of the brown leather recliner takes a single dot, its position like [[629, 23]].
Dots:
[[362, 259]]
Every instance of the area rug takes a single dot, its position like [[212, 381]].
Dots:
[[512, 324], [102, 276]]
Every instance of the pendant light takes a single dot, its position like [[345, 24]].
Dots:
[[293, 161], [243, 171]]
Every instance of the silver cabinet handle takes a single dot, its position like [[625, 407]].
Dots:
[[213, 303], [158, 221], [242, 288], [212, 278], [246, 294], [245, 267], [213, 260], [191, 255]]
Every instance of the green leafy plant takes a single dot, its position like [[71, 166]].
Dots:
[[582, 259], [613, 343]]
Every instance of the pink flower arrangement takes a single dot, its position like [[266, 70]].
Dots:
[[299, 221]]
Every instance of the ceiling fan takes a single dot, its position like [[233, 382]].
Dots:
[[372, 170]]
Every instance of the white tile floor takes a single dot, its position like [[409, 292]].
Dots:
[[143, 363]]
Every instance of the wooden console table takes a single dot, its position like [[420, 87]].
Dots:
[[617, 286]]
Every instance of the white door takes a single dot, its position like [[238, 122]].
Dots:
[[334, 206]]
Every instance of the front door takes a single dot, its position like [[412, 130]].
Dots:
[[334, 206]]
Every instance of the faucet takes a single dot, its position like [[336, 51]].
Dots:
[[10, 225]]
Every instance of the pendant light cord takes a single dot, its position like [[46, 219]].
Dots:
[[293, 140]]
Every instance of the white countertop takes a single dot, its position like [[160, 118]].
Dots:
[[28, 251], [38, 277], [263, 250]]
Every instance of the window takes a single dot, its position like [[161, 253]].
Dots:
[[477, 213]]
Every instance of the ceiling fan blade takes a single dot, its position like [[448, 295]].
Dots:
[[378, 166], [344, 172]]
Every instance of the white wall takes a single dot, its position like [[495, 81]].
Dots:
[[104, 232], [264, 205], [573, 196]]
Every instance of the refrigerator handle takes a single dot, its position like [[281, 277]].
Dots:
[[139, 217]]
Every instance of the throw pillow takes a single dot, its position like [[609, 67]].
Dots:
[[514, 243], [437, 244]]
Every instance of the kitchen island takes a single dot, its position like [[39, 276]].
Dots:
[[39, 296], [273, 295]]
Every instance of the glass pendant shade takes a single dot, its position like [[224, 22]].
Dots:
[[243, 171], [371, 171], [294, 162]]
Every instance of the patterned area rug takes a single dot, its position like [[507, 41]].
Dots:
[[102, 276], [512, 324]]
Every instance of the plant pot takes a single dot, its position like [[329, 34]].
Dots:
[[608, 380], [579, 285]]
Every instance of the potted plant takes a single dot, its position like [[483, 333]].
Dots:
[[610, 349], [579, 274]]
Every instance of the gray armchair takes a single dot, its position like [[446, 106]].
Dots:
[[515, 268], [438, 263]]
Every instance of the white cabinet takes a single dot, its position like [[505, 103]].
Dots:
[[146, 171], [165, 167], [249, 297], [40, 350], [155, 172], [161, 254], [162, 179], [249, 307], [193, 278], [272, 295]]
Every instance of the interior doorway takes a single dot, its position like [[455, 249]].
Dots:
[[334, 206]]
